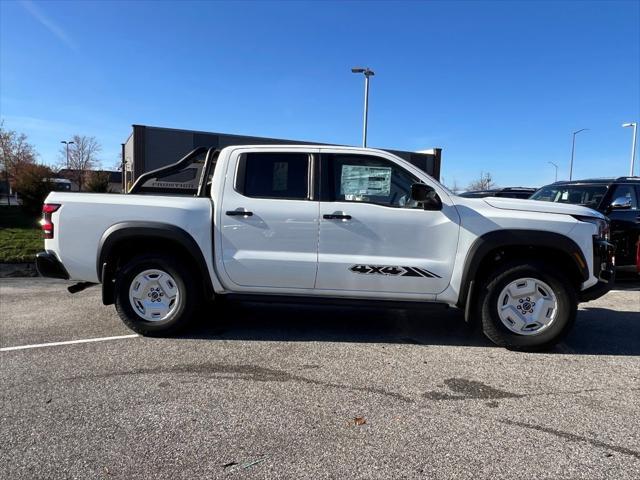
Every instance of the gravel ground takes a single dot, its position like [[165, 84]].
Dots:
[[272, 391]]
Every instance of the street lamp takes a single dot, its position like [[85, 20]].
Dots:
[[573, 148], [633, 144], [556, 169], [367, 73], [67, 144]]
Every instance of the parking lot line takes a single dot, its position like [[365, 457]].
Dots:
[[68, 342]]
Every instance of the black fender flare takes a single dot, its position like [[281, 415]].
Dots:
[[130, 230], [491, 241]]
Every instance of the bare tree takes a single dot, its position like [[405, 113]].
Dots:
[[485, 182], [83, 157], [15, 152], [455, 187]]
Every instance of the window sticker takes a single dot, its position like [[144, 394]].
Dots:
[[358, 181], [280, 174]]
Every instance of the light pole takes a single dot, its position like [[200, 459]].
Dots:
[[67, 144], [633, 144], [556, 169], [367, 73], [573, 148]]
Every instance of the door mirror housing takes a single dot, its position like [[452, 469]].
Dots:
[[426, 195], [621, 203]]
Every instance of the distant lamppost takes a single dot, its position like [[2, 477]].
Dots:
[[633, 144], [556, 169], [367, 73], [573, 149], [67, 144]]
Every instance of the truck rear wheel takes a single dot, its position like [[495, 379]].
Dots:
[[155, 295], [528, 306]]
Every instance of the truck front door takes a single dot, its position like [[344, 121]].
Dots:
[[373, 237]]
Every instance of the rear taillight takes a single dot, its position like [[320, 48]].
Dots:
[[46, 222]]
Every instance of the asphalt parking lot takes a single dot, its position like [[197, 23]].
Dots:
[[271, 391]]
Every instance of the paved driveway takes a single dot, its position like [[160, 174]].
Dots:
[[267, 391]]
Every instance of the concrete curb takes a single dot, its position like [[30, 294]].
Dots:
[[9, 270]]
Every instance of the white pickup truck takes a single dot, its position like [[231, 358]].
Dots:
[[333, 223]]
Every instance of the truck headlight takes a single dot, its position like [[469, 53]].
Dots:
[[602, 226]]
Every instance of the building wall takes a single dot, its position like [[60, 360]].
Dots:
[[155, 147], [127, 152], [164, 147]]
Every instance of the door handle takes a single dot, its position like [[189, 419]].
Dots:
[[336, 216], [239, 213]]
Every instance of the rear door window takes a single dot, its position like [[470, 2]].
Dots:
[[274, 175]]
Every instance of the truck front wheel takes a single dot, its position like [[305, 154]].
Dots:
[[527, 306], [155, 295]]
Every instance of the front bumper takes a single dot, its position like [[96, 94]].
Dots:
[[604, 270], [48, 265]]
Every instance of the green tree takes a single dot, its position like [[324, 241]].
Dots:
[[98, 182], [33, 184]]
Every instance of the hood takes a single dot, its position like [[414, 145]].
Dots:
[[542, 207]]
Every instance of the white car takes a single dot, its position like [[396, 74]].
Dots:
[[329, 223]]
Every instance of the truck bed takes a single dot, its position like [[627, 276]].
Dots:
[[83, 218]]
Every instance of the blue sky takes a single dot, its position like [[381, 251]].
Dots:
[[499, 86]]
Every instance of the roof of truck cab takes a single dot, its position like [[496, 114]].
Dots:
[[314, 146]]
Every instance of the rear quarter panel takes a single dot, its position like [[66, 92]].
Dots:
[[84, 217]]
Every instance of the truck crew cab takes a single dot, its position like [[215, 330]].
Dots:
[[326, 222]]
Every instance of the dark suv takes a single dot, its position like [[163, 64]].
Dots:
[[617, 198], [508, 192]]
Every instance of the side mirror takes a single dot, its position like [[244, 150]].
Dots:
[[620, 203], [426, 195]]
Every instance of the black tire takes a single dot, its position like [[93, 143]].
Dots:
[[562, 287], [185, 281]]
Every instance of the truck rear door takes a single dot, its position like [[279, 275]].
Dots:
[[269, 219]]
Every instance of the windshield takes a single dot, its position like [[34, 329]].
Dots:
[[586, 195]]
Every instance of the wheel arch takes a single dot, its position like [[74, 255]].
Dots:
[[126, 239], [501, 245]]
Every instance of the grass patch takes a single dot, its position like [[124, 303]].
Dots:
[[20, 236]]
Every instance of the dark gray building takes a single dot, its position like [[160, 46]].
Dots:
[[148, 148]]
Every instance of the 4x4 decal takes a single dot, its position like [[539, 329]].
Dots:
[[393, 271]]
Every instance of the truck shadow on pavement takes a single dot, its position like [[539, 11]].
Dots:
[[601, 331], [597, 331]]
